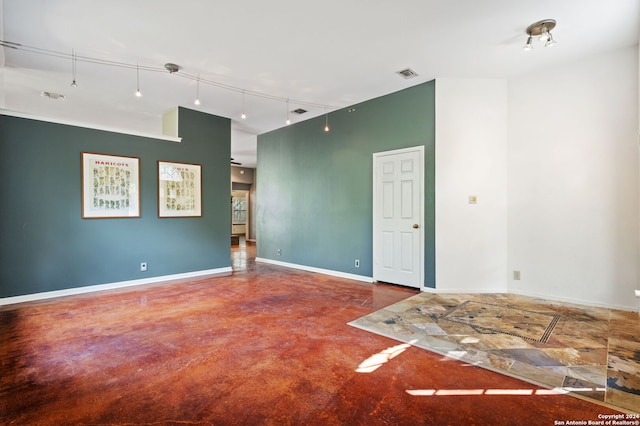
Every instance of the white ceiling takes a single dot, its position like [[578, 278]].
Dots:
[[332, 53]]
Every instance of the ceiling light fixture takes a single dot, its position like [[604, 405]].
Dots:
[[243, 115], [138, 92], [172, 67], [326, 122], [288, 120], [197, 101], [541, 29], [74, 60]]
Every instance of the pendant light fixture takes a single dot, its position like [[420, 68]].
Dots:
[[73, 68], [243, 115], [138, 92], [542, 30], [197, 101], [326, 121], [288, 120]]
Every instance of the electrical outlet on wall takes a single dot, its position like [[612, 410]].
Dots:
[[279, 252], [143, 266], [357, 263], [516, 275]]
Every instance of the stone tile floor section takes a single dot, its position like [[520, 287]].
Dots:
[[588, 352]]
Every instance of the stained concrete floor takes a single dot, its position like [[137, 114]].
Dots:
[[266, 345]]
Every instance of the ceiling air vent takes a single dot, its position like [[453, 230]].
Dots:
[[54, 96], [299, 111], [408, 73]]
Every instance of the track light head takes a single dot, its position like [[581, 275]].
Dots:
[[544, 36], [550, 41], [528, 46]]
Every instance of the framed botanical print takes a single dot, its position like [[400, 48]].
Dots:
[[179, 189], [110, 186]]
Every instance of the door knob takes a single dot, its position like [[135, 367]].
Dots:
[[416, 226]]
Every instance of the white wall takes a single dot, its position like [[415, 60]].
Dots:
[[471, 155], [573, 181]]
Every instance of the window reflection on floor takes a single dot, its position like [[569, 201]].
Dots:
[[243, 255]]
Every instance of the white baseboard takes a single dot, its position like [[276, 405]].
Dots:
[[330, 272], [110, 286], [535, 295], [573, 301]]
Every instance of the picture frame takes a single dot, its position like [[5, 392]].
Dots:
[[179, 189], [110, 186]]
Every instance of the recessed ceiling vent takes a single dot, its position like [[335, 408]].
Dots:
[[299, 111], [54, 96], [408, 73]]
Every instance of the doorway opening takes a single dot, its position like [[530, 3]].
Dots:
[[243, 255], [243, 217], [239, 209]]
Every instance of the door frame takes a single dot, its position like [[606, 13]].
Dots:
[[421, 192]]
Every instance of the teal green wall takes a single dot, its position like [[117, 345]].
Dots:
[[45, 245], [315, 189]]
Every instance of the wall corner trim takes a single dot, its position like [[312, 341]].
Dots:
[[90, 126], [330, 272], [111, 286]]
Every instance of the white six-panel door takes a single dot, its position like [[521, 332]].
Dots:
[[398, 234]]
